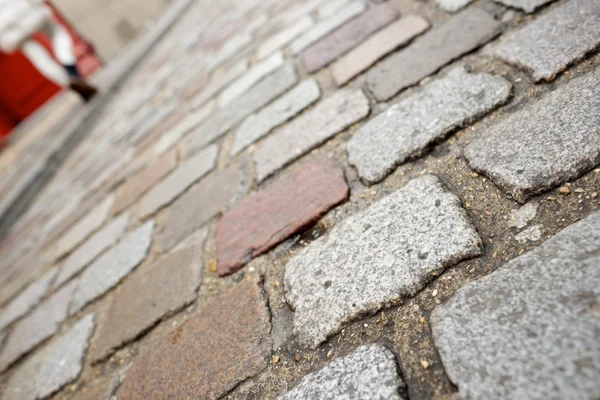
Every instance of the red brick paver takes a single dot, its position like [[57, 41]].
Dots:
[[283, 208]]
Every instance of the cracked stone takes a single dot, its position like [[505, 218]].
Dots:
[[278, 211], [531, 234], [524, 215], [348, 36], [107, 271], [530, 328], [329, 117], [224, 343], [368, 373], [202, 203], [149, 295], [407, 128], [377, 257], [548, 45], [178, 181], [53, 367], [459, 35], [545, 144]]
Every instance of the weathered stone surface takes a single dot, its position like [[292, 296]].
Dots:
[[348, 36], [330, 116], [368, 373], [377, 257], [91, 249], [205, 201], [250, 78], [149, 295], [138, 184], [171, 138], [283, 37], [283, 208], [106, 272], [324, 27], [521, 217], [531, 234], [260, 95], [376, 47], [219, 82], [548, 45], [225, 343], [455, 5], [459, 35], [528, 6], [38, 326], [407, 128], [27, 300], [545, 144], [53, 367], [530, 328], [84, 227], [281, 110], [178, 181]]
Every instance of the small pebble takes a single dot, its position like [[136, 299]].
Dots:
[[564, 190], [425, 364], [275, 359]]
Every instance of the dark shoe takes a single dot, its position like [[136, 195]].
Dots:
[[85, 90]]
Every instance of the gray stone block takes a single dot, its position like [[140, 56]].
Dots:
[[545, 144], [530, 329], [368, 373], [407, 128], [377, 257]]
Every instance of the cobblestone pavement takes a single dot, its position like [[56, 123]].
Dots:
[[325, 199]]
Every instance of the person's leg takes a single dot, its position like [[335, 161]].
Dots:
[[43, 61]]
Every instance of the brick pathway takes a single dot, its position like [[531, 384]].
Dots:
[[313, 199]]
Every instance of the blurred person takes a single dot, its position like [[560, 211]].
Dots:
[[19, 20]]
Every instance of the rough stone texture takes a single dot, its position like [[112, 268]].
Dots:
[[184, 127], [260, 95], [91, 249], [282, 38], [455, 5], [377, 46], [281, 110], [348, 36], [324, 27], [545, 144], [205, 201], [27, 300], [178, 181], [273, 214], [328, 117], [521, 217], [38, 326], [530, 328], [149, 295], [531, 234], [377, 257], [54, 367], [368, 373], [138, 184], [407, 128], [250, 78], [548, 45], [528, 6], [223, 344], [84, 227], [112, 267], [459, 35]]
